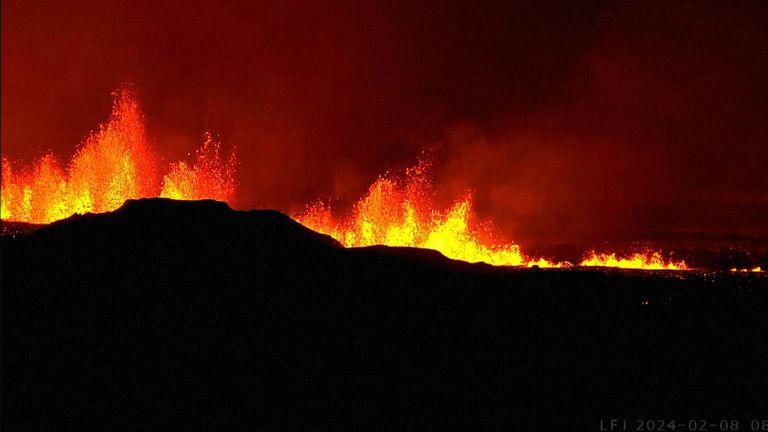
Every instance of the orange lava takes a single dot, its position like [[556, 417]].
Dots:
[[650, 260], [209, 177], [115, 163], [402, 213], [112, 165], [746, 270]]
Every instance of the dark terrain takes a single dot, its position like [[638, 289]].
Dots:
[[168, 315]]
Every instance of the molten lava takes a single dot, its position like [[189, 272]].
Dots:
[[757, 269], [402, 213], [209, 177], [650, 260], [114, 164]]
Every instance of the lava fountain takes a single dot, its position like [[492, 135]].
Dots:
[[115, 163], [649, 260], [401, 212], [112, 165]]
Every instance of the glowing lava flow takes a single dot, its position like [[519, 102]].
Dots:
[[646, 261], [401, 213], [757, 269], [114, 164]]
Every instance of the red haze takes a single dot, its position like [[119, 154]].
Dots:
[[569, 121]]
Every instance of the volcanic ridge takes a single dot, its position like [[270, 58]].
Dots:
[[171, 314]]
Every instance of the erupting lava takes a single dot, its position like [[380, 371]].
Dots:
[[757, 269], [402, 213], [209, 177], [647, 261], [114, 164]]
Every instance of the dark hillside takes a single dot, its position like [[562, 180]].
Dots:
[[168, 315]]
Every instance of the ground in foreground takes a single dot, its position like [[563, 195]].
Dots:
[[180, 315]]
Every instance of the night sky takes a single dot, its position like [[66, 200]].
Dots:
[[567, 120]]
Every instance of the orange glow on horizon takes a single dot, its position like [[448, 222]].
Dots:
[[757, 269], [649, 260]]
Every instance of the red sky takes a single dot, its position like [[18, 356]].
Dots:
[[568, 120]]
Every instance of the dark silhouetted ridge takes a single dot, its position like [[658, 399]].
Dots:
[[172, 315]]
